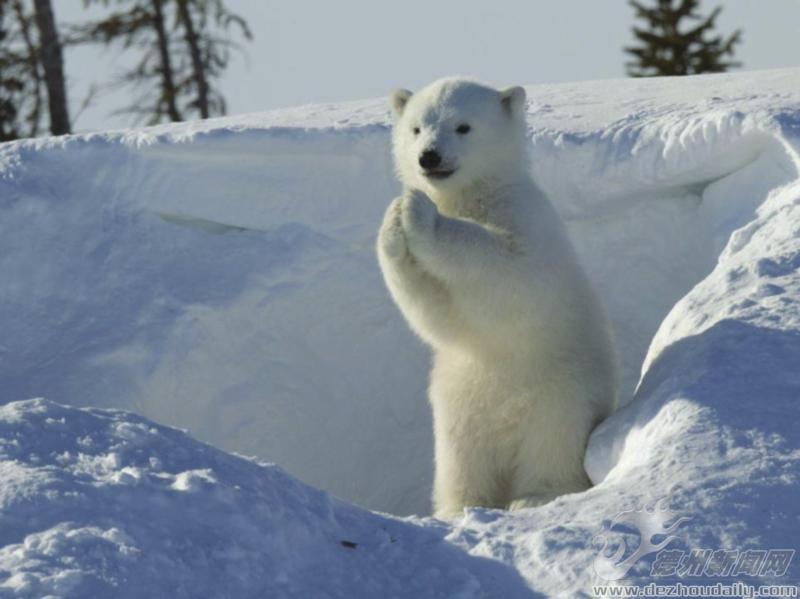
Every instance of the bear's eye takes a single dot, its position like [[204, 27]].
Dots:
[[463, 129], [416, 130]]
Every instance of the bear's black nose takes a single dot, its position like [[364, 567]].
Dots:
[[430, 159]]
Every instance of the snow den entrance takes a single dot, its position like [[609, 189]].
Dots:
[[650, 228]]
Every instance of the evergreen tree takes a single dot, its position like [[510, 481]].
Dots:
[[669, 49], [169, 92], [206, 26], [185, 46], [10, 84], [22, 91], [53, 65]]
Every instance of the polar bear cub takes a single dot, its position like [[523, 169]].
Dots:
[[480, 264]]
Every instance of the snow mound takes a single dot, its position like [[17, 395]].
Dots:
[[220, 277], [105, 503]]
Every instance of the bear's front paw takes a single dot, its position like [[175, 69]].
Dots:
[[419, 214], [391, 238]]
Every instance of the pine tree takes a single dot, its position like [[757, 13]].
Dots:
[[53, 65], [169, 92], [667, 48], [206, 27], [184, 48], [199, 66], [139, 25], [22, 91], [10, 84]]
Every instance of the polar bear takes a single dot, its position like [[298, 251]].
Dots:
[[480, 264]]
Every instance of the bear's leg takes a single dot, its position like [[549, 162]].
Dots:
[[549, 464], [539, 494], [456, 488], [533, 500], [465, 477]]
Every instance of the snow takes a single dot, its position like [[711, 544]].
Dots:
[[104, 503], [220, 277]]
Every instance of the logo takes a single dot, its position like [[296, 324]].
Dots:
[[635, 534]]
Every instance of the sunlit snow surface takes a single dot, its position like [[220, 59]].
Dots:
[[219, 277]]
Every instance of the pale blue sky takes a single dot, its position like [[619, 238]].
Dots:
[[318, 51]]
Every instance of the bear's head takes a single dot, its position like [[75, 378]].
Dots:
[[457, 132]]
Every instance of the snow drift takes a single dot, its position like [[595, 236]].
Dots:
[[153, 513], [220, 277]]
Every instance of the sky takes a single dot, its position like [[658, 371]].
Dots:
[[307, 51]]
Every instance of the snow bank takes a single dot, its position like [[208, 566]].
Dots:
[[220, 277], [98, 503], [226, 285]]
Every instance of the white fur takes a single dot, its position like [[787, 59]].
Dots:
[[482, 268]]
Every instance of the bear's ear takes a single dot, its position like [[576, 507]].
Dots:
[[513, 99], [399, 98]]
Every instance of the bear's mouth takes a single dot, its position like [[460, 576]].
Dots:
[[439, 173]]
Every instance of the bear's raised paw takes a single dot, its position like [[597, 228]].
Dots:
[[391, 238], [419, 215]]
